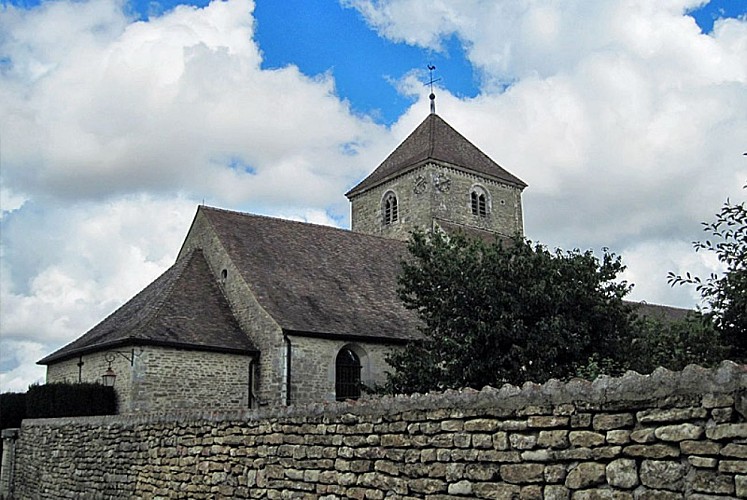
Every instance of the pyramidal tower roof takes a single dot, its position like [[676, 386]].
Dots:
[[435, 140]]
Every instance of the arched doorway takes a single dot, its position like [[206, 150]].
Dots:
[[347, 375]]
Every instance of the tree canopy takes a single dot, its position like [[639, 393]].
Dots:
[[506, 312], [725, 296]]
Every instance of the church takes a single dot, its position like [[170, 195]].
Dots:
[[264, 311]]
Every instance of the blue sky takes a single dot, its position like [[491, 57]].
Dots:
[[625, 118], [332, 32]]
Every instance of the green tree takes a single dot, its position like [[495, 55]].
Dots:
[[725, 296], [496, 313], [673, 344]]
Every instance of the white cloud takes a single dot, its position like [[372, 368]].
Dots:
[[627, 123], [113, 130], [22, 356]]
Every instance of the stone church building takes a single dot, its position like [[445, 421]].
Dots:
[[263, 311]]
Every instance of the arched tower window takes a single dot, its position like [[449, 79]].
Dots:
[[347, 375], [479, 201], [390, 211]]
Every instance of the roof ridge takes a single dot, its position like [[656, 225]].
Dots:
[[296, 222]]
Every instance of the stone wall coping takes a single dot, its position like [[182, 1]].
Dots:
[[10, 433], [632, 390]]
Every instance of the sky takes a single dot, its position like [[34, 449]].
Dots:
[[626, 118]]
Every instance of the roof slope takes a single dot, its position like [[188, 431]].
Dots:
[[318, 279], [184, 307], [436, 140]]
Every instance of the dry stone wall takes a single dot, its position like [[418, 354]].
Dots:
[[663, 436]]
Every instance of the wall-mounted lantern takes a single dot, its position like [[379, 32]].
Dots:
[[109, 377]]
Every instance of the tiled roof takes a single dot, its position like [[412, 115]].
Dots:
[[184, 307], [436, 140], [317, 279], [656, 311]]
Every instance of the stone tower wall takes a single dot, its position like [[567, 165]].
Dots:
[[437, 192]]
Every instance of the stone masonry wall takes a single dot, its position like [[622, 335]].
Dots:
[[663, 436], [163, 378], [264, 332], [313, 366], [437, 192]]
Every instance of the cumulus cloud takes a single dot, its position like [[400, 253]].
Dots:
[[114, 129], [179, 102], [625, 120]]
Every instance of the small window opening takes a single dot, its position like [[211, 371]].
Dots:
[[391, 212], [479, 204], [223, 275], [347, 375]]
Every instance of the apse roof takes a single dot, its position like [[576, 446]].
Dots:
[[184, 307]]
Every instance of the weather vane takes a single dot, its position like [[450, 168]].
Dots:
[[430, 82]]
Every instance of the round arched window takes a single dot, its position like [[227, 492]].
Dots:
[[347, 375], [389, 209]]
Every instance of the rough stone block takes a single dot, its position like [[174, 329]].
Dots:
[[481, 425], [606, 422], [622, 473], [734, 450], [700, 448], [663, 474], [537, 456], [584, 475], [581, 420], [645, 435], [536, 421], [727, 431], [500, 440], [531, 492], [740, 486], [671, 415], [522, 441], [555, 492], [553, 439], [522, 473], [602, 494], [463, 487], [733, 466], [711, 482], [717, 400], [651, 451], [618, 437], [658, 495], [555, 473], [680, 432], [496, 490], [702, 462], [587, 439]]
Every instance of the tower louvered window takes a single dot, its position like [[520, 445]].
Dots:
[[391, 212], [347, 375], [479, 204]]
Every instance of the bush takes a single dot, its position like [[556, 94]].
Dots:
[[12, 409], [70, 400]]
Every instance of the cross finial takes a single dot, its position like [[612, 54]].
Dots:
[[431, 81]]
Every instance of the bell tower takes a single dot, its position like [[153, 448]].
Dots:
[[438, 179]]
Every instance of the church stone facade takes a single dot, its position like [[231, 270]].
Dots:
[[263, 311]]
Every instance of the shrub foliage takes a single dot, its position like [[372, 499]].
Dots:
[[12, 409], [496, 313], [70, 400]]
